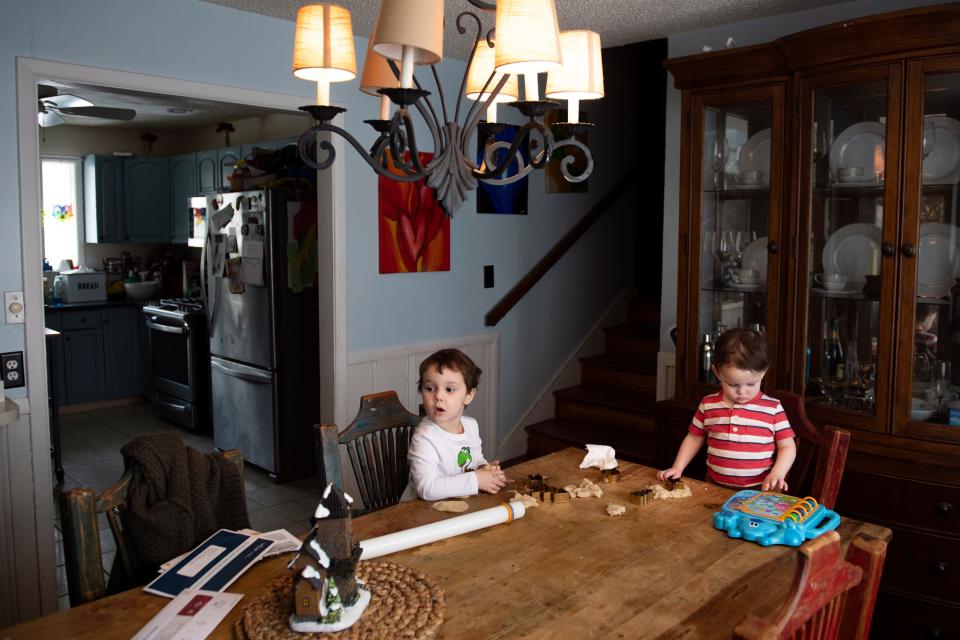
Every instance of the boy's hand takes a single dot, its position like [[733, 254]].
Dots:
[[491, 480], [493, 465], [672, 473], [774, 482]]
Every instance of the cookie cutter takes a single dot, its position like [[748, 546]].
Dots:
[[641, 496], [673, 485], [610, 475], [536, 482]]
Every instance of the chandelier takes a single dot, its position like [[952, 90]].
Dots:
[[525, 41]]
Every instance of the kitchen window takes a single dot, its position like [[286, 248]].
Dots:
[[61, 213]]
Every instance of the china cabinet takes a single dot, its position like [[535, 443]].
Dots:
[[819, 204]]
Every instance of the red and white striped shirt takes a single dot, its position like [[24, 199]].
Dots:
[[741, 439]]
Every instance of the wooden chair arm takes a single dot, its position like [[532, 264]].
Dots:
[[831, 460], [81, 545]]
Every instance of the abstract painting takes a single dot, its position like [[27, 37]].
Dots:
[[414, 230], [508, 198], [553, 176]]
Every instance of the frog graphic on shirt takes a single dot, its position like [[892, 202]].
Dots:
[[464, 458]]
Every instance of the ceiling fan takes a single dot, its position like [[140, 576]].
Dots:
[[52, 106]]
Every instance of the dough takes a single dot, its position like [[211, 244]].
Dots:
[[528, 501], [615, 509], [587, 489], [660, 493], [451, 506]]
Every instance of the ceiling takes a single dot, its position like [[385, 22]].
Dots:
[[617, 21]]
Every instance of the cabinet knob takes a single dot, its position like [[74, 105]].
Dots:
[[772, 247], [940, 568], [908, 250], [887, 249], [943, 509]]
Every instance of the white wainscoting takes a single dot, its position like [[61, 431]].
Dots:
[[398, 368]]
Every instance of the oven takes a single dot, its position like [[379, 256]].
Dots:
[[179, 361]]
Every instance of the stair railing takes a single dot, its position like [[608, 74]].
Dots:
[[526, 283]]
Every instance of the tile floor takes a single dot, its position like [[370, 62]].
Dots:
[[91, 457]]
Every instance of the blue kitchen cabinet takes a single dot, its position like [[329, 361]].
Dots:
[[183, 186], [208, 175], [103, 199], [121, 352], [146, 186], [226, 158], [83, 366]]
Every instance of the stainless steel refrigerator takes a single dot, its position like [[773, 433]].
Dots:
[[259, 283]]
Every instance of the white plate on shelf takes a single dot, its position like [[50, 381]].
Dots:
[[842, 293], [942, 135], [938, 253], [755, 257], [856, 147], [755, 156], [854, 251], [744, 287]]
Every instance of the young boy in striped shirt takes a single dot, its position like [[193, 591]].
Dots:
[[742, 425]]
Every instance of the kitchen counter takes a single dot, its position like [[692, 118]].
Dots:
[[99, 304]]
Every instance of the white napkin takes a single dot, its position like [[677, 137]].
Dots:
[[600, 456]]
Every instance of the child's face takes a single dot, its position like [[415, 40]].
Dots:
[[739, 385], [444, 397]]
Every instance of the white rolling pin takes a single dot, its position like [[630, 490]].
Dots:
[[425, 534]]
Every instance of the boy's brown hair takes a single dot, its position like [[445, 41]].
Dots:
[[742, 348], [455, 360]]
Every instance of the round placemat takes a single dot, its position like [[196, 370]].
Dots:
[[404, 604]]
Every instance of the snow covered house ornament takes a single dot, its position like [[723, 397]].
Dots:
[[326, 593]]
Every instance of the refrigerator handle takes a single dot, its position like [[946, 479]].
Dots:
[[239, 371], [203, 278]]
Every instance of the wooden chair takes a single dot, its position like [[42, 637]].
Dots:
[[377, 441], [831, 597], [79, 512], [821, 454]]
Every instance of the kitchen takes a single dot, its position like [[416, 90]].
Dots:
[[128, 331]]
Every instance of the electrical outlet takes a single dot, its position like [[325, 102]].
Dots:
[[11, 368], [487, 276]]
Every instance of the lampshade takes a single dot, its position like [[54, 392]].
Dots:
[[480, 70], [581, 76], [323, 45], [527, 36], [413, 23], [377, 73]]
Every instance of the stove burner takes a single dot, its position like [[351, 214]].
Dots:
[[177, 305]]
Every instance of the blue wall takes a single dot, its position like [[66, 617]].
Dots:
[[192, 40]]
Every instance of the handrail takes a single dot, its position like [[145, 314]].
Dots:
[[519, 290]]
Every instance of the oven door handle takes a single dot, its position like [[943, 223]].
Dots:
[[166, 328], [244, 373], [175, 406]]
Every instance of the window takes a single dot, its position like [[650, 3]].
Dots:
[[61, 214]]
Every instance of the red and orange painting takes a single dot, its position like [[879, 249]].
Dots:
[[414, 230]]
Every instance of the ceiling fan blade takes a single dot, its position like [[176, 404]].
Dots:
[[49, 119], [110, 113], [66, 101]]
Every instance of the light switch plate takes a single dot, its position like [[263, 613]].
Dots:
[[13, 304]]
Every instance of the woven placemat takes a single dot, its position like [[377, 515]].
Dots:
[[403, 604]]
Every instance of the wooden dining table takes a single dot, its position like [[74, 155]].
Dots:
[[660, 570]]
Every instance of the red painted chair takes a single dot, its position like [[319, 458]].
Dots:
[[831, 598], [821, 454]]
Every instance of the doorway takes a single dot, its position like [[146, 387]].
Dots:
[[33, 518]]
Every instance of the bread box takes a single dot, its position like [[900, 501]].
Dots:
[[81, 285]]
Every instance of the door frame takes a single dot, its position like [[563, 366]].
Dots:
[[36, 576]]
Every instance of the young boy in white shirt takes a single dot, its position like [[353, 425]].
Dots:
[[446, 458]]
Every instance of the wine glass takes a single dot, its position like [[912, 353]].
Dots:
[[940, 378], [720, 150]]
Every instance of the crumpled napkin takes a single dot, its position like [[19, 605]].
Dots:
[[600, 456]]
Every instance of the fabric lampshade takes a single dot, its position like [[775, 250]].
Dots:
[[581, 76], [377, 73], [527, 37], [323, 45], [480, 70], [413, 23]]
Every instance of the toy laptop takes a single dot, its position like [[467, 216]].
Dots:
[[774, 518]]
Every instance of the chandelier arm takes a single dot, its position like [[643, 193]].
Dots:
[[490, 38], [443, 101], [523, 168], [569, 159], [548, 146], [430, 118], [304, 143], [486, 6], [412, 144], [473, 115], [463, 83], [496, 170]]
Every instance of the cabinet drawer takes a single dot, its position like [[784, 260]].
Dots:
[[924, 564], [918, 504], [901, 617], [76, 320]]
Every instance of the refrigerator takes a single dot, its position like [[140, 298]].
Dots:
[[259, 272]]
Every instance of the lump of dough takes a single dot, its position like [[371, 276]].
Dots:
[[615, 509], [528, 501], [451, 506], [661, 493]]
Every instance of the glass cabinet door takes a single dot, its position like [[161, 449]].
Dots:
[[927, 402], [851, 187], [735, 205]]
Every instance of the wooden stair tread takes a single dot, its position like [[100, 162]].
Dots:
[[633, 332], [578, 434], [613, 399], [629, 364]]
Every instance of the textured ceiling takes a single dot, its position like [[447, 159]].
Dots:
[[617, 21]]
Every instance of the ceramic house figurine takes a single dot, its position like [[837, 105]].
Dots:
[[326, 593]]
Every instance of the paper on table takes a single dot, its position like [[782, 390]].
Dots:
[[600, 456], [283, 541], [192, 615]]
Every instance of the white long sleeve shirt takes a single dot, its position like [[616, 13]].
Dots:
[[442, 464]]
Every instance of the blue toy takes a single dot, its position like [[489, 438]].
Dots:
[[774, 518]]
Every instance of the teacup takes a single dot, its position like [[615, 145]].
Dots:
[[850, 174], [746, 276], [751, 177], [832, 281]]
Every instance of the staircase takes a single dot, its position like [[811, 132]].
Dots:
[[614, 403]]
